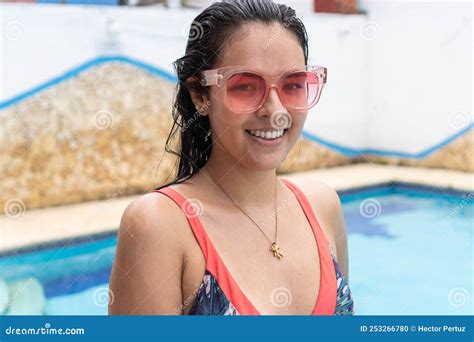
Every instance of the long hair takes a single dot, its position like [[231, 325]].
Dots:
[[208, 34]]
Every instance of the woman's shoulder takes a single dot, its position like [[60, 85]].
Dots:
[[321, 196], [154, 216], [149, 251], [326, 205]]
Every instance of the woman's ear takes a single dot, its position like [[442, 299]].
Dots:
[[200, 100]]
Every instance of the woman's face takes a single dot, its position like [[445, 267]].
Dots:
[[273, 50]]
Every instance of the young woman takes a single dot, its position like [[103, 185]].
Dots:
[[228, 236]]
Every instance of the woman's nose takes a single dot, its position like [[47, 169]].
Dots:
[[272, 103]]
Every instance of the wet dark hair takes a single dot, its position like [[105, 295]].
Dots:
[[209, 33]]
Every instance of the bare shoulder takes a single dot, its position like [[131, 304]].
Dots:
[[323, 198], [326, 199], [327, 207], [146, 274], [151, 215]]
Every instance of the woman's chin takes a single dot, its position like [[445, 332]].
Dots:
[[265, 163]]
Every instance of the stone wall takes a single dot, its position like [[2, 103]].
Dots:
[[102, 134], [457, 155], [99, 135]]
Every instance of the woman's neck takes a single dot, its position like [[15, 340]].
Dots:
[[248, 188]]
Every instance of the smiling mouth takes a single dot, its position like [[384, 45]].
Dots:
[[267, 135]]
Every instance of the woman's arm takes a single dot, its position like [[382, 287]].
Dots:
[[340, 237], [146, 274]]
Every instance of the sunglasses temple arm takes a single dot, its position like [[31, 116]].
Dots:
[[210, 77]]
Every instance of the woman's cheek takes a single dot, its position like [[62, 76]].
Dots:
[[296, 128]]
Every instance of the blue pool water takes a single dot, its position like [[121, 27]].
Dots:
[[410, 252]]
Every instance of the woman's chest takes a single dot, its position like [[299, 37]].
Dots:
[[279, 286]]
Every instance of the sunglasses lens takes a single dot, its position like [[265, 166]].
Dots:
[[299, 90], [244, 91]]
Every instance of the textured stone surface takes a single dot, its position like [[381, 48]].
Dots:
[[102, 135], [99, 135], [457, 155], [307, 155]]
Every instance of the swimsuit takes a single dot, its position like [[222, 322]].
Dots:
[[219, 293]]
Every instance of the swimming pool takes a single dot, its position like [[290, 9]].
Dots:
[[410, 252]]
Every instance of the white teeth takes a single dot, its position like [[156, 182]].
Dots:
[[267, 134]]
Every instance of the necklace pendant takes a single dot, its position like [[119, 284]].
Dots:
[[276, 251]]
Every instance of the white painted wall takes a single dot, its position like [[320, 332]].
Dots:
[[420, 72], [398, 80]]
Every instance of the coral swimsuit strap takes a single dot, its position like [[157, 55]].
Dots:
[[326, 302]]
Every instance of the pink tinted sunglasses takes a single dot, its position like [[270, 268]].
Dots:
[[245, 91]]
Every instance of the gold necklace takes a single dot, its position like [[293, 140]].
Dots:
[[274, 248]]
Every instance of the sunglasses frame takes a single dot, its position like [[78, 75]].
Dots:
[[219, 77]]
